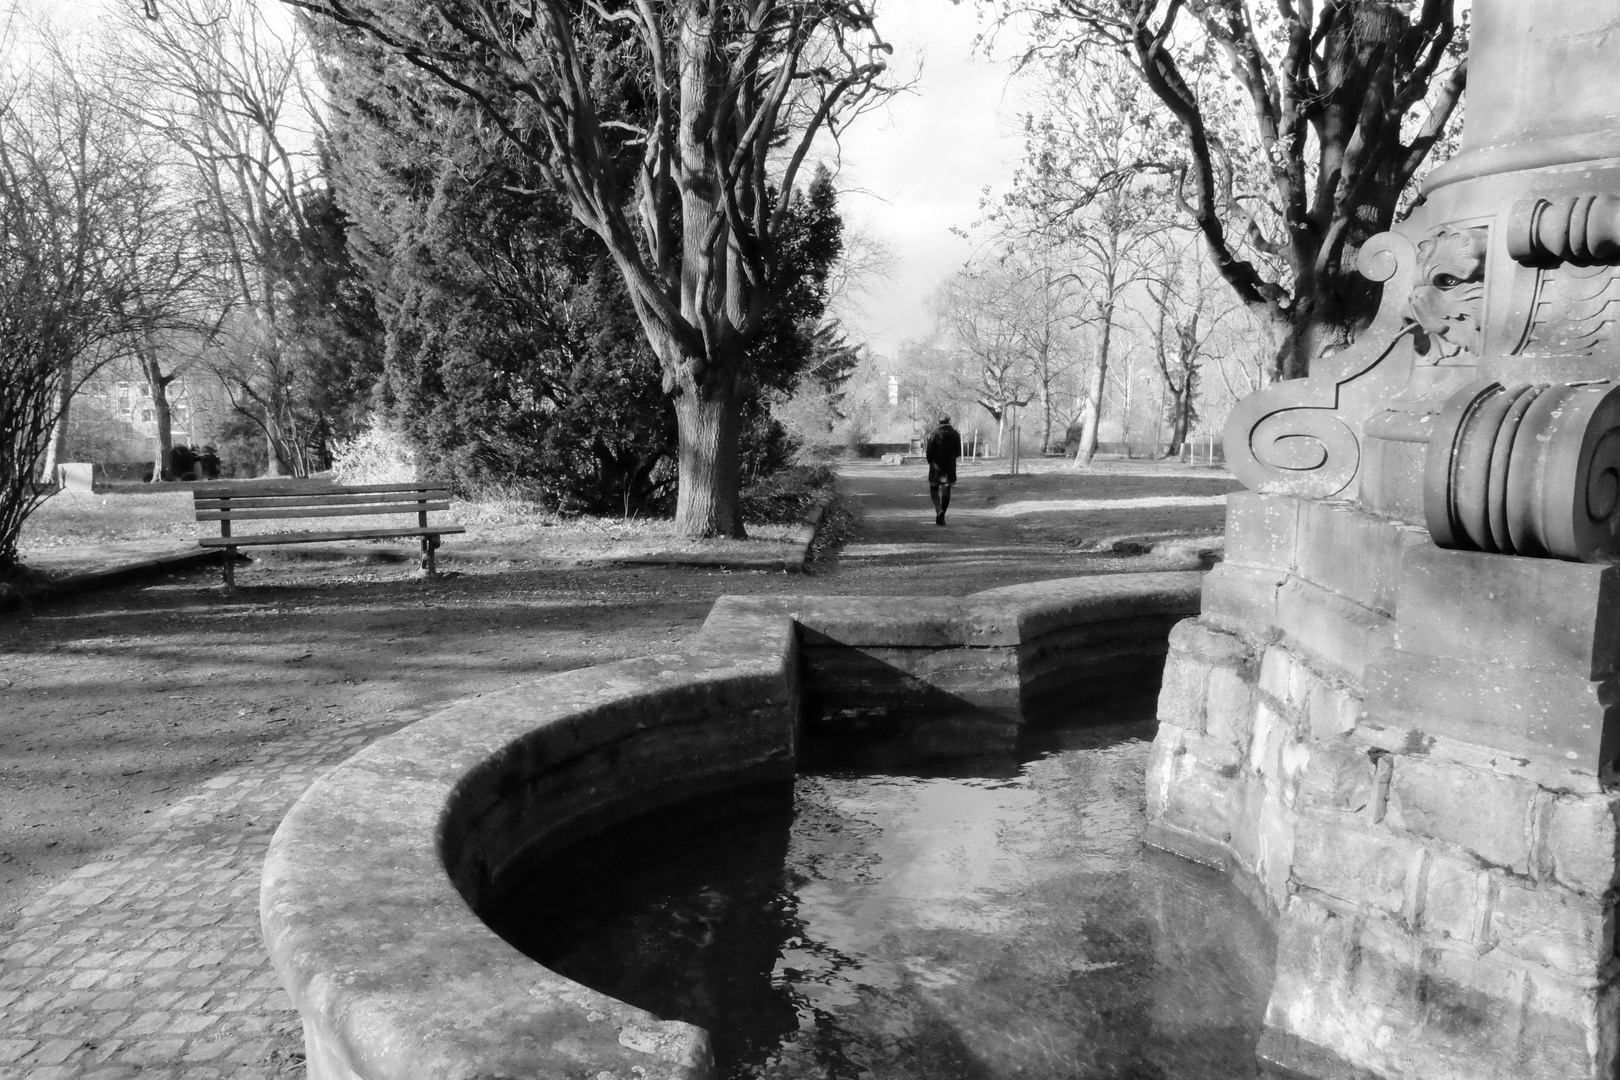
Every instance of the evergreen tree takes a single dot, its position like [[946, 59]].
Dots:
[[668, 131], [332, 333], [513, 352]]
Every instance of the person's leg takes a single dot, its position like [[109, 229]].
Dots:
[[933, 496], [944, 501]]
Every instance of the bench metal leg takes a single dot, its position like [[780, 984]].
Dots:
[[230, 568], [429, 544]]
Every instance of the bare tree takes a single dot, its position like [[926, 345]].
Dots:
[[1054, 305], [1338, 106], [867, 262], [79, 189], [818, 406], [729, 96], [931, 377], [981, 317], [1241, 366], [1080, 193], [1185, 313], [171, 300], [225, 89]]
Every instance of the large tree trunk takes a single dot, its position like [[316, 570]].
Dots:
[[1091, 412], [1016, 440], [1316, 324], [1303, 339], [1127, 406], [158, 387], [709, 421], [163, 463], [1158, 418], [56, 449], [274, 465], [1046, 412], [1178, 418], [286, 459]]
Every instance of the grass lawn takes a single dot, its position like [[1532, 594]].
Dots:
[[123, 519], [71, 519]]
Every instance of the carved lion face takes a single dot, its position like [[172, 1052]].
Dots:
[[1448, 302]]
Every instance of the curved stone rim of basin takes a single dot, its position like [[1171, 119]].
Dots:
[[371, 882]]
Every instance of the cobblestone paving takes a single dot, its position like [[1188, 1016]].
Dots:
[[148, 962]]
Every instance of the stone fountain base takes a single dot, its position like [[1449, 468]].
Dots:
[[373, 878], [1406, 756]]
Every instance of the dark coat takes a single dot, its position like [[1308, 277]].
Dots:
[[944, 447]]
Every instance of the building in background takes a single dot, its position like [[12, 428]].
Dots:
[[113, 421]]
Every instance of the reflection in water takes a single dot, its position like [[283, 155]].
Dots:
[[918, 926]]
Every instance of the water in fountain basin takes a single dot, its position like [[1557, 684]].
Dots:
[[919, 924]]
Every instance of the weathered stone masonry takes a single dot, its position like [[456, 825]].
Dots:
[[1393, 719], [372, 880], [1429, 829]]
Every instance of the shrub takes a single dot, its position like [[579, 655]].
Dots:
[[765, 447], [193, 462], [380, 454], [785, 496], [241, 447]]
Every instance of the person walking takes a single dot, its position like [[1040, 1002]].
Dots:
[[944, 447]]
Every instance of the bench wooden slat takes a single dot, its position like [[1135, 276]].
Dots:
[[287, 500], [325, 499], [217, 489], [257, 539], [318, 511]]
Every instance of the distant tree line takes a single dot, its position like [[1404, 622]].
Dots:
[[1196, 183]]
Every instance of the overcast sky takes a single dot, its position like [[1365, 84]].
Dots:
[[915, 170]]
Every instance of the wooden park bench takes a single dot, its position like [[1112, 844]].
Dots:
[[290, 500]]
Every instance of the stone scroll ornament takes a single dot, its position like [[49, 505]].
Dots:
[[1527, 470], [1573, 242], [1535, 469], [1300, 437], [1579, 229]]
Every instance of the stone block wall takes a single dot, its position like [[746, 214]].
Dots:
[[1034, 679], [1405, 755]]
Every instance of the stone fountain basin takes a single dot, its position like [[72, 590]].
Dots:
[[373, 880]]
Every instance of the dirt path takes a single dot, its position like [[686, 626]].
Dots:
[[1003, 530], [119, 704]]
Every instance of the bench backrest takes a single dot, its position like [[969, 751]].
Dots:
[[270, 500]]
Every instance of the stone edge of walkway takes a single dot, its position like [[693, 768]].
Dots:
[[107, 576], [803, 538], [371, 937]]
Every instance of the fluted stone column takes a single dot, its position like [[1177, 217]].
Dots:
[[1394, 722]]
